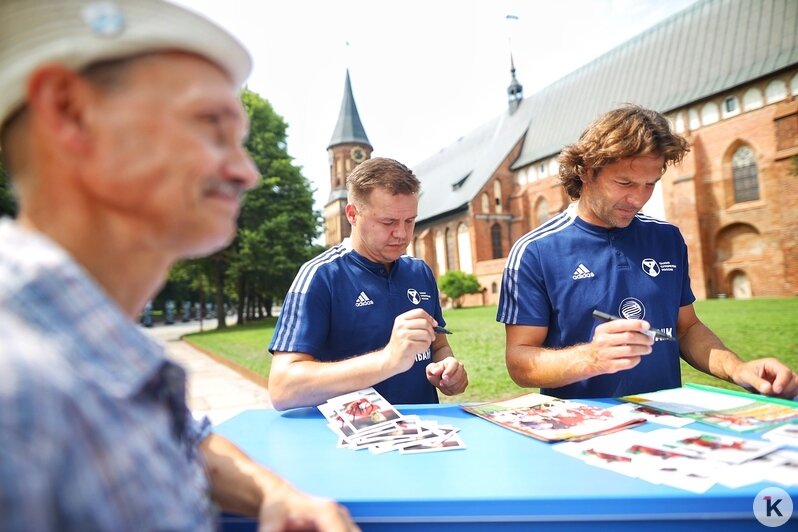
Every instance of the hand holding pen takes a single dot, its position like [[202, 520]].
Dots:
[[411, 334], [616, 345], [656, 334]]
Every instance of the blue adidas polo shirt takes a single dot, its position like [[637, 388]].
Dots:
[[342, 304], [557, 274]]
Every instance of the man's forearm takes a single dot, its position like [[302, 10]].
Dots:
[[703, 350], [540, 367], [238, 484], [311, 383]]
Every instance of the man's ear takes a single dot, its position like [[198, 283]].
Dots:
[[60, 97], [351, 213]]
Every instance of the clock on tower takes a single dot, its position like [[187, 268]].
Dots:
[[358, 155]]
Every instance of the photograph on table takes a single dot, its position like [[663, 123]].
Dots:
[[709, 446], [364, 410]]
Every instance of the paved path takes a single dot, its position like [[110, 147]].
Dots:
[[213, 389]]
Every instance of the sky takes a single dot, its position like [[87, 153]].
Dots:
[[424, 72]]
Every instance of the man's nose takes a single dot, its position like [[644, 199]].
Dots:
[[639, 197], [239, 166]]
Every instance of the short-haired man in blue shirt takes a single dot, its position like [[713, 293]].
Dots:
[[362, 313], [122, 129], [603, 254]]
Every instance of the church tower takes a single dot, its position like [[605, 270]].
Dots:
[[515, 92], [348, 147]]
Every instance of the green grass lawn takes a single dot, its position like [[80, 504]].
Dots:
[[752, 328], [246, 345]]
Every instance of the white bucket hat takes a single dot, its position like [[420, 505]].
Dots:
[[77, 33]]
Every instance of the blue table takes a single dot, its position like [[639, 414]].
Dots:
[[502, 481]]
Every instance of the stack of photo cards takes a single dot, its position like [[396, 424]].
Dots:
[[366, 420]]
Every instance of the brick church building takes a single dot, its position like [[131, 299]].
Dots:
[[724, 72]]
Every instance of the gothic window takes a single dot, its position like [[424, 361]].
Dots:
[[744, 175], [440, 252], [485, 203], [497, 195], [451, 260], [496, 241], [464, 248]]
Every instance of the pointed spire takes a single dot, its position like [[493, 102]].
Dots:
[[515, 92], [349, 127]]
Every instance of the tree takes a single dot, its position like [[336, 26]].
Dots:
[[8, 204], [277, 223], [456, 284], [276, 227]]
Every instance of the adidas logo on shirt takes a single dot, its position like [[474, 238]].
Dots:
[[582, 273], [363, 300]]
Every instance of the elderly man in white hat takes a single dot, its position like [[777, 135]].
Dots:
[[121, 127]]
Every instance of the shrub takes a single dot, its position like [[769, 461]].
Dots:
[[456, 284]]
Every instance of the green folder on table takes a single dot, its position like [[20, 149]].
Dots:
[[729, 409]]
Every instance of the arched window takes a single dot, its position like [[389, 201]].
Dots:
[[494, 288], [695, 120], [464, 248], [741, 285], [752, 99], [709, 113], [485, 203], [678, 124], [451, 259], [497, 195], [496, 241], [775, 91], [440, 252], [744, 175]]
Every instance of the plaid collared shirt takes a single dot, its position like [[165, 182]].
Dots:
[[94, 429]]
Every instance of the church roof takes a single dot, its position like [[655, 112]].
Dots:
[[452, 177], [710, 47], [349, 127]]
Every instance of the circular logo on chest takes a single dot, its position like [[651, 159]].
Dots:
[[412, 295], [632, 309], [651, 267]]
